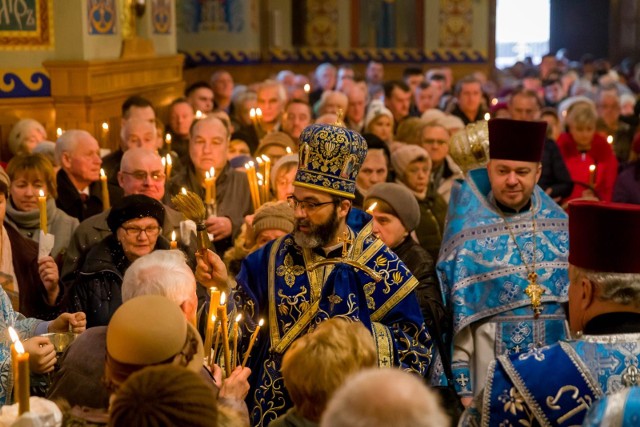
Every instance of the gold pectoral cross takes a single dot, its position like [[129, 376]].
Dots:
[[346, 241], [534, 291]]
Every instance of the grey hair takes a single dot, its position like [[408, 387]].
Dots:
[[68, 141], [126, 126], [282, 92], [162, 272], [620, 288], [18, 131]]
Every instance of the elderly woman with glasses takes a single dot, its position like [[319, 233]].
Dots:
[[136, 227]]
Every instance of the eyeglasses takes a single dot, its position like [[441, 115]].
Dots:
[[142, 175], [434, 141], [305, 206], [151, 231]]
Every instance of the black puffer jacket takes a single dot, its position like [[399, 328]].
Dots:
[[97, 289]]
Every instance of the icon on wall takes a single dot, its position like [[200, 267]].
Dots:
[[161, 16], [102, 16], [27, 27]]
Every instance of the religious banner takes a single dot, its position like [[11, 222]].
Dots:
[[26, 24], [101, 16], [161, 16]]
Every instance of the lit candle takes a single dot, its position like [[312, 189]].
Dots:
[[261, 189], [288, 149], [267, 175], [174, 243], [260, 176], [259, 115], [59, 132], [105, 132], [214, 353], [494, 101], [183, 191], [254, 336], [14, 356], [42, 205], [234, 354], [22, 381], [212, 174], [169, 166], [253, 185], [167, 140], [592, 175], [372, 207], [214, 301], [610, 139], [199, 114], [487, 116], [105, 190], [224, 325], [307, 88], [208, 181], [252, 115]]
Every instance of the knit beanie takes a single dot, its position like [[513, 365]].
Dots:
[[134, 207], [273, 216], [433, 115], [376, 109], [289, 158], [401, 200], [275, 138], [451, 123], [164, 396], [406, 154]]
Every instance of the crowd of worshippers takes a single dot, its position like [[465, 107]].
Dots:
[[425, 261]]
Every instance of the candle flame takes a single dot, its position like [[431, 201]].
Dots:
[[289, 150], [59, 132], [183, 191], [260, 182], [223, 298], [164, 162], [251, 164], [494, 101], [199, 114], [252, 113], [41, 192], [19, 347], [592, 168], [258, 112], [102, 174], [167, 138], [259, 175], [258, 160], [307, 88], [246, 165], [238, 318], [610, 139], [372, 207], [169, 161], [266, 158], [213, 318], [487, 116], [212, 172], [105, 126], [206, 175], [261, 322], [173, 236], [13, 335]]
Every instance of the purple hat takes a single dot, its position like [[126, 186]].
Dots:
[[516, 140]]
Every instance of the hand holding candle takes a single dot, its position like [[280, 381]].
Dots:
[[254, 336], [42, 206], [105, 191]]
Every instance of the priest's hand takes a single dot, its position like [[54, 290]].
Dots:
[[69, 322], [48, 271], [42, 354], [219, 226], [211, 271]]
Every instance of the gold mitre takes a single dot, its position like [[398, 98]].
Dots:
[[469, 147]]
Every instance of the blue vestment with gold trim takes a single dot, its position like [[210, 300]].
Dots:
[[556, 385], [275, 284], [484, 276]]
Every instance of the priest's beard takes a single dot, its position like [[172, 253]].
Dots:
[[318, 235]]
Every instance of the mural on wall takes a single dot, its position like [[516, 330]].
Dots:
[[161, 16], [320, 28], [456, 23], [24, 83], [26, 24], [197, 16], [102, 16]]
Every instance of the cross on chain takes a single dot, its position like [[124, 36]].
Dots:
[[346, 241]]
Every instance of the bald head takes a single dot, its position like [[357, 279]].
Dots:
[[138, 133], [141, 172], [384, 397]]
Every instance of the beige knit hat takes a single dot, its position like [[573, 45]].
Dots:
[[273, 216], [406, 154]]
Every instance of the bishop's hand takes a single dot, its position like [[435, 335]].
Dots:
[[211, 271]]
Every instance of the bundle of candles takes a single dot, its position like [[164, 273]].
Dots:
[[255, 114], [21, 374], [218, 326], [167, 164], [259, 175]]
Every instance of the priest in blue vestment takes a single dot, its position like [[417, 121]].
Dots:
[[556, 385], [503, 262], [325, 268]]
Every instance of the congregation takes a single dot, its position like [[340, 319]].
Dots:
[[356, 250]]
